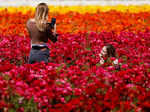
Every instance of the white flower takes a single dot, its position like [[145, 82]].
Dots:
[[115, 62]]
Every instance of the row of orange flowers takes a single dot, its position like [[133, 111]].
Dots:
[[14, 23]]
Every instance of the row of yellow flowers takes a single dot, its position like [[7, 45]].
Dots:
[[83, 9]]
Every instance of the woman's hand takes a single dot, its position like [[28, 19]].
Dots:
[[54, 31], [54, 35]]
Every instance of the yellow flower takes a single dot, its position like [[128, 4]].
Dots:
[[82, 9]]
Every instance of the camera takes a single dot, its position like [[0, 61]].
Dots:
[[52, 23]]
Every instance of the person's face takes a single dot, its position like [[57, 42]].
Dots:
[[104, 51]]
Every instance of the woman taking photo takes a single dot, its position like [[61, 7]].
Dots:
[[40, 30]]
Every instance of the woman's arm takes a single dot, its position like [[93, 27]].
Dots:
[[53, 38], [52, 34], [27, 28], [27, 25]]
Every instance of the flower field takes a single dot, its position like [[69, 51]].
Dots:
[[73, 80]]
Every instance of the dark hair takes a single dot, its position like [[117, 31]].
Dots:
[[111, 51]]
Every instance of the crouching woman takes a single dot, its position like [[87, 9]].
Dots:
[[108, 56]]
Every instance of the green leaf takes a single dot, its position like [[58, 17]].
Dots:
[[98, 64], [67, 98], [88, 48]]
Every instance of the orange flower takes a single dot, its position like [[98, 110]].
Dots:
[[14, 23]]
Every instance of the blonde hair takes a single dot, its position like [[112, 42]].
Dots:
[[41, 16]]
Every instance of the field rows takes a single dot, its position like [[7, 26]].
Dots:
[[74, 80]]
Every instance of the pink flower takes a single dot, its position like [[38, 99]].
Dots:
[[124, 66]]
